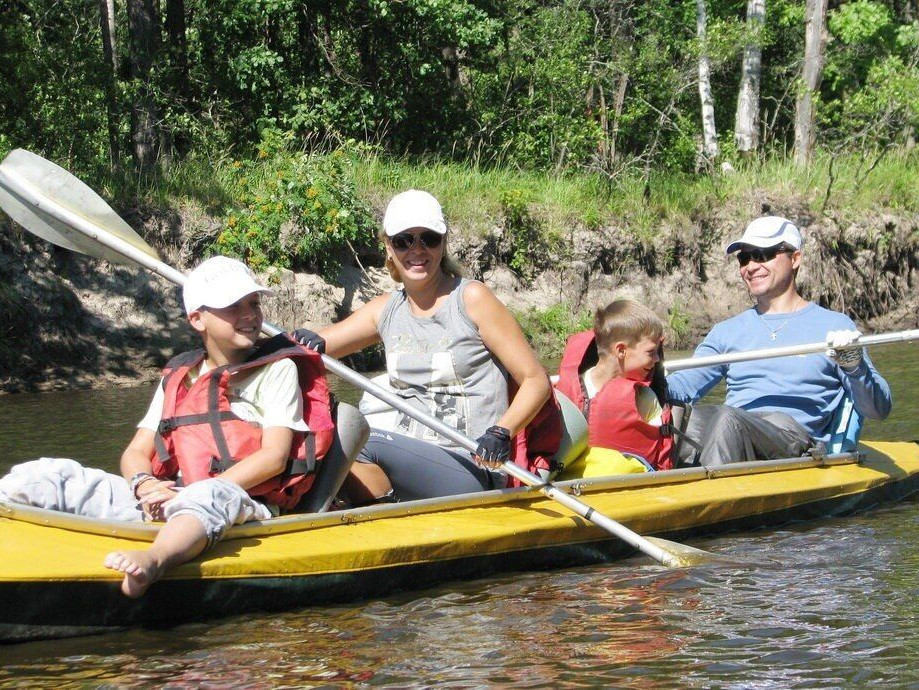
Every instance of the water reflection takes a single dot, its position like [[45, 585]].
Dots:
[[838, 611]]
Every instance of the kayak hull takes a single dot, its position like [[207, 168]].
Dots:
[[53, 584]]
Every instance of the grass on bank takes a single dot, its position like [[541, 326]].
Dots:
[[474, 197]]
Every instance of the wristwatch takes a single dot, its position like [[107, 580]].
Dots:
[[139, 479]]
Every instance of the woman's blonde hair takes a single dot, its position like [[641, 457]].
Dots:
[[448, 264], [625, 320]]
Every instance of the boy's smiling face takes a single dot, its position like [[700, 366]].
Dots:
[[230, 329], [639, 359]]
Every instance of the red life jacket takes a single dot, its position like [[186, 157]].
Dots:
[[613, 420], [534, 448], [201, 436]]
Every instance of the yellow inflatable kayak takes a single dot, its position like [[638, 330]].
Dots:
[[53, 583]]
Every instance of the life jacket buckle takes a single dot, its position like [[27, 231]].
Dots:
[[218, 466], [166, 425]]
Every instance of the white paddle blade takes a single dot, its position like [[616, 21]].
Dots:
[[49, 202]]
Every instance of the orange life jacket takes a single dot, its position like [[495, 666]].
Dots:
[[534, 448], [613, 420], [200, 435]]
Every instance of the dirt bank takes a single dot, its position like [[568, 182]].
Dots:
[[71, 321]]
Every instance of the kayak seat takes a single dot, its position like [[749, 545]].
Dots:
[[846, 427], [574, 434], [351, 433]]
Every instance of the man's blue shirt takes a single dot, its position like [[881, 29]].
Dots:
[[807, 387]]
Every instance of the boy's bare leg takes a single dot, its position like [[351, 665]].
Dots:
[[182, 538]]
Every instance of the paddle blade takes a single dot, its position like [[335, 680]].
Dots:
[[685, 556], [51, 203]]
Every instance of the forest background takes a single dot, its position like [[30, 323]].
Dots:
[[612, 144]]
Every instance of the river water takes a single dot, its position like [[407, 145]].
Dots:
[[828, 603]]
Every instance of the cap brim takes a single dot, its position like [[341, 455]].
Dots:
[[759, 242], [394, 230], [234, 297]]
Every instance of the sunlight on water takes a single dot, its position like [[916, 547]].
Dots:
[[829, 603]]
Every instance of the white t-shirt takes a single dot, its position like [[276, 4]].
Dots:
[[269, 396], [649, 407]]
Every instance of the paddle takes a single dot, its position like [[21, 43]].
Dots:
[[790, 350], [51, 203]]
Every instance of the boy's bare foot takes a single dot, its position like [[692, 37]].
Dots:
[[140, 568]]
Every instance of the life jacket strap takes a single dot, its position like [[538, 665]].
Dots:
[[295, 466], [671, 430], [172, 423]]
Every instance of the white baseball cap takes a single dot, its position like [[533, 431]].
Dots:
[[413, 209], [768, 231], [219, 282]]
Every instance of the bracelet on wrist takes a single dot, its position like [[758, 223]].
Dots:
[[139, 479]]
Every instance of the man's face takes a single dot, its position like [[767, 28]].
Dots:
[[770, 271]]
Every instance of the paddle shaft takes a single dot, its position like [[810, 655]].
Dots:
[[90, 230], [789, 351]]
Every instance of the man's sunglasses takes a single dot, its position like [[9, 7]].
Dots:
[[406, 240], [761, 256]]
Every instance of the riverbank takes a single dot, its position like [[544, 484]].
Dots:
[[552, 249]]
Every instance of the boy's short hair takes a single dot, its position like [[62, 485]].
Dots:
[[625, 320], [219, 282]]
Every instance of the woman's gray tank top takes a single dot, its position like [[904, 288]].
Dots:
[[439, 364]]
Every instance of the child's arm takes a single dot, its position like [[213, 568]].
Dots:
[[267, 462], [135, 460]]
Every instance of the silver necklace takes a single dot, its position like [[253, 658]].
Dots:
[[774, 332]]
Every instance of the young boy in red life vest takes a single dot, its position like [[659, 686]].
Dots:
[[249, 458], [614, 374]]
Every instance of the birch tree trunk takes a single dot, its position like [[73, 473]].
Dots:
[[746, 121], [709, 132], [814, 44]]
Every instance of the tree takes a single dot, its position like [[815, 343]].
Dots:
[[746, 121], [709, 132], [144, 43], [814, 55], [110, 70]]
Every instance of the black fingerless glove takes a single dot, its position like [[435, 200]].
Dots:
[[306, 337], [494, 445]]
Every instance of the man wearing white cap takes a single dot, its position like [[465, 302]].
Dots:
[[777, 407]]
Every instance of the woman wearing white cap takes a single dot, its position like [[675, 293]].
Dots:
[[454, 351]]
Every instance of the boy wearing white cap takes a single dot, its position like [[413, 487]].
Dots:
[[777, 407], [234, 433], [249, 464]]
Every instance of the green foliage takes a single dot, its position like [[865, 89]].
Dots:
[[294, 209], [871, 75], [678, 321], [523, 234], [860, 22], [548, 329], [559, 86]]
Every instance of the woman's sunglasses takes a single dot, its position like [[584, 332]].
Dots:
[[406, 240], [761, 256]]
